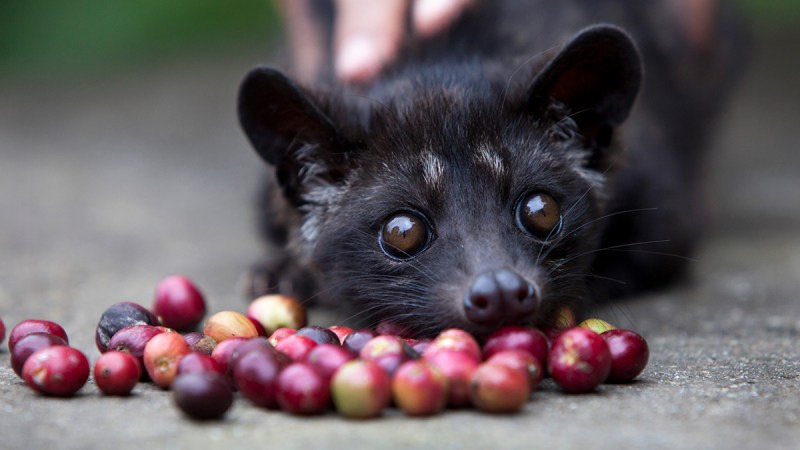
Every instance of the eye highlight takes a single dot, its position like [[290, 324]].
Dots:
[[539, 215], [404, 235]]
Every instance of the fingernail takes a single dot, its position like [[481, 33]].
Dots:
[[430, 16], [357, 60]]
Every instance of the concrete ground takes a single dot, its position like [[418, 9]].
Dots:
[[108, 185]]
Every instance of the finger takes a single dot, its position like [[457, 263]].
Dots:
[[368, 34], [305, 38], [433, 16], [697, 20]]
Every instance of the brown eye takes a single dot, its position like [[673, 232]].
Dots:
[[538, 214], [404, 235]]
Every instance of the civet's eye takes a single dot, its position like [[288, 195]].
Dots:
[[539, 215], [404, 235]]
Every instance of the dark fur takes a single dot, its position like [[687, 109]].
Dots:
[[510, 77]]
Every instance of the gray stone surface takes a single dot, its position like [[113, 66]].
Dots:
[[108, 185]]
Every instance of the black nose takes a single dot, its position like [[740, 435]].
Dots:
[[500, 296]]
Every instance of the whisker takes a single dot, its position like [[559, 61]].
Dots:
[[589, 189], [351, 277], [542, 254], [616, 310], [611, 247], [653, 252], [413, 262], [561, 276], [610, 215], [566, 215]]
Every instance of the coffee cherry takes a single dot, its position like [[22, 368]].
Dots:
[[256, 375], [515, 337], [562, 320], [357, 339], [341, 332], [579, 360], [629, 355], [133, 339], [2, 331], [277, 311], [59, 371], [296, 347], [161, 357], [199, 363], [599, 326], [116, 373], [419, 345], [327, 358], [28, 345], [281, 334], [419, 389], [200, 343], [387, 351], [318, 334], [178, 303], [29, 326], [228, 324], [262, 332], [223, 352], [457, 368], [202, 396], [498, 388], [256, 343], [119, 316], [522, 361], [455, 339], [302, 390], [360, 389]]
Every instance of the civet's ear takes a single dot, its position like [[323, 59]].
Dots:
[[290, 132], [596, 77]]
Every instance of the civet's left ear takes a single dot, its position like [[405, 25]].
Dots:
[[596, 76]]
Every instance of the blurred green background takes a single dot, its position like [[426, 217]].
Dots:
[[45, 39]]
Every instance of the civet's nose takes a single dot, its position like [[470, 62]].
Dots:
[[500, 296]]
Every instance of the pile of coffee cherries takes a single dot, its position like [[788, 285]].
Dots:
[[276, 361]]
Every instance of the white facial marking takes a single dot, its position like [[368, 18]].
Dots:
[[489, 159], [432, 170]]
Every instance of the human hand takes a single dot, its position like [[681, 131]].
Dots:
[[367, 33], [696, 21]]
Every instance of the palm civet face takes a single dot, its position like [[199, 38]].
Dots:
[[464, 204], [483, 230]]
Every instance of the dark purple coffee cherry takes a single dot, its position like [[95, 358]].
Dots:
[[202, 395], [119, 316], [318, 334], [28, 345]]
